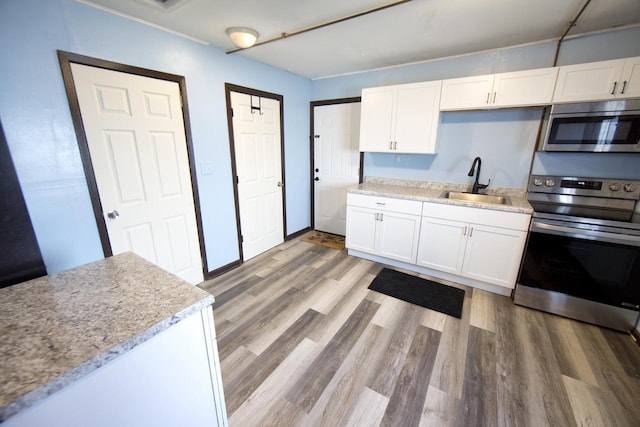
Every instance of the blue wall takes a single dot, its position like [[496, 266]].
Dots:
[[36, 119], [505, 139]]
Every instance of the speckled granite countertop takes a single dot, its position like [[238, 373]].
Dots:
[[56, 329], [427, 191]]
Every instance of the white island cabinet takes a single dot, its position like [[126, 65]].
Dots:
[[400, 118], [596, 81], [484, 245], [383, 226], [117, 342]]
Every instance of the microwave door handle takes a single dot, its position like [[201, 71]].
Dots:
[[584, 234]]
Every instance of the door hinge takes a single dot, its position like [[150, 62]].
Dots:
[[241, 238], [237, 179], [316, 136], [232, 112]]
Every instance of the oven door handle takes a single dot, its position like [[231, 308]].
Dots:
[[601, 236]]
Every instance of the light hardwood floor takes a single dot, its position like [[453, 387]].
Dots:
[[303, 342]]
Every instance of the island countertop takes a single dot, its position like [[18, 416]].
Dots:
[[58, 328], [427, 191]]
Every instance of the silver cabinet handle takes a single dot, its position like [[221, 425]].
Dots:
[[381, 204], [464, 231], [395, 145], [613, 92], [377, 217], [624, 86], [471, 232], [113, 214], [390, 145], [381, 217], [488, 95], [494, 97]]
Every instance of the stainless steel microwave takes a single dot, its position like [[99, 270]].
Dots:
[[607, 126]]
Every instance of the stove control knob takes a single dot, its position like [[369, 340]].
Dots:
[[537, 182], [614, 186], [630, 188], [549, 182]]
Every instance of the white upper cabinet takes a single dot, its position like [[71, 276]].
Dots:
[[630, 78], [516, 89], [466, 93], [401, 118], [524, 88], [595, 81]]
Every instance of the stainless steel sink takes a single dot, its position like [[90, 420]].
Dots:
[[484, 198]]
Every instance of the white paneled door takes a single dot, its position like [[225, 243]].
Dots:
[[336, 163], [257, 143], [136, 138]]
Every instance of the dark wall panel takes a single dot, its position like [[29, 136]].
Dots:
[[20, 257]]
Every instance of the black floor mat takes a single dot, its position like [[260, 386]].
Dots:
[[422, 292]]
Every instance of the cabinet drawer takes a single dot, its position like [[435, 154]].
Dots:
[[502, 219], [411, 207]]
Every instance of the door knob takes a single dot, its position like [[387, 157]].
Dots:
[[316, 179], [113, 214]]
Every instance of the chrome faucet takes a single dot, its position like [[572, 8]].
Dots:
[[477, 186]]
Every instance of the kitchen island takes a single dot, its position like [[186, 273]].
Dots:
[[114, 342]]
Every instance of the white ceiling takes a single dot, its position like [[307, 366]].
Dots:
[[411, 32]]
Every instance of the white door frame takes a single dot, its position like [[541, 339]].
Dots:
[[229, 87], [312, 151], [65, 59]]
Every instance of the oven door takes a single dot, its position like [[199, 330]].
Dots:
[[595, 132], [603, 267]]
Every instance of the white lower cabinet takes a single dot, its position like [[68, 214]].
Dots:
[[479, 247], [383, 226], [488, 249], [448, 254]]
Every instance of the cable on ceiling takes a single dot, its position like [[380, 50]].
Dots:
[[571, 25], [326, 24]]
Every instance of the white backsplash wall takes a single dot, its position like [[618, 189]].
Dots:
[[504, 139]]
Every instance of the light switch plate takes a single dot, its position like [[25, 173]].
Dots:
[[206, 168]]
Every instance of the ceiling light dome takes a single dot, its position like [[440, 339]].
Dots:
[[242, 37]]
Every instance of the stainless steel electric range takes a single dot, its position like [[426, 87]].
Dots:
[[582, 258]]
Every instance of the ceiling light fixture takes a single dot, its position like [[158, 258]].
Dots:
[[242, 37]]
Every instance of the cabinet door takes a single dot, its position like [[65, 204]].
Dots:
[[417, 116], [441, 245], [376, 118], [466, 93], [493, 254], [630, 79], [588, 82], [398, 236], [361, 229], [524, 88]]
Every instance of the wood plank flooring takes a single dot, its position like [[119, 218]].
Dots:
[[303, 342]]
